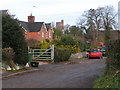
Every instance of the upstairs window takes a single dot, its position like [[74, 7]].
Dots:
[[42, 33]]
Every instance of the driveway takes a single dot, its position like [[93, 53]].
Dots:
[[77, 74]]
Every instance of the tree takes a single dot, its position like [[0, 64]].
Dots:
[[57, 33], [96, 19], [81, 23], [67, 40], [93, 22], [67, 26], [12, 36], [108, 19], [75, 31]]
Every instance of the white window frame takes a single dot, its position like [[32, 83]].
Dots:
[[42, 33]]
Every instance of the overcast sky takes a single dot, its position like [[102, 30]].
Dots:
[[53, 10]]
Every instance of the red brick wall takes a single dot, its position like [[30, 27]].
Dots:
[[50, 35], [38, 35], [60, 25]]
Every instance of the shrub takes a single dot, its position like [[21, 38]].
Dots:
[[82, 45], [47, 40], [45, 44], [57, 33], [62, 54], [74, 49], [37, 45], [56, 42], [67, 40], [111, 78], [12, 36], [7, 56], [108, 81], [113, 56]]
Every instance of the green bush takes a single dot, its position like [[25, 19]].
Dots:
[[108, 81], [111, 78], [113, 56], [57, 33], [74, 48], [42, 45], [13, 36], [82, 45], [67, 40], [62, 54], [45, 44]]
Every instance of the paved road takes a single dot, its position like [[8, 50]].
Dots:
[[78, 74]]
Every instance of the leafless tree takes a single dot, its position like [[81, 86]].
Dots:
[[66, 27], [96, 19], [108, 17], [108, 20]]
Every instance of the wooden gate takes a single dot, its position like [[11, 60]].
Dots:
[[42, 54]]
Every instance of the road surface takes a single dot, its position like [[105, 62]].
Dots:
[[78, 74]]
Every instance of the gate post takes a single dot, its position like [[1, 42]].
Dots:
[[33, 53], [52, 53]]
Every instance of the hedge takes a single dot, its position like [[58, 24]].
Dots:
[[62, 54], [113, 56]]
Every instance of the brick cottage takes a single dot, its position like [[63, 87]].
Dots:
[[37, 30]]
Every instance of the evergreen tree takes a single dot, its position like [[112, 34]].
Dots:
[[12, 36]]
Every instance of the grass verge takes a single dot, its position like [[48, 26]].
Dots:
[[108, 81], [20, 70]]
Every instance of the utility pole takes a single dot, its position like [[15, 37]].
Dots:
[[119, 15], [118, 20]]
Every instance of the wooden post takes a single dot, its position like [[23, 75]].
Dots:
[[52, 53], [33, 53]]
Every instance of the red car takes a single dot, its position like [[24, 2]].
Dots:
[[94, 53]]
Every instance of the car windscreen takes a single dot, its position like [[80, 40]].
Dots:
[[93, 50], [103, 48]]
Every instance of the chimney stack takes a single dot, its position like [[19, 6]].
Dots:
[[31, 18], [62, 21]]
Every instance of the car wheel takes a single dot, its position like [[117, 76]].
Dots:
[[100, 57], [89, 57]]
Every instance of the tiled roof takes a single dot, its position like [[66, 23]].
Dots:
[[32, 26]]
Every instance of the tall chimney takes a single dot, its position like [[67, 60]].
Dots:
[[62, 21], [62, 24], [31, 18]]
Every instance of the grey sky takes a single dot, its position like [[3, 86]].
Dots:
[[53, 10]]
